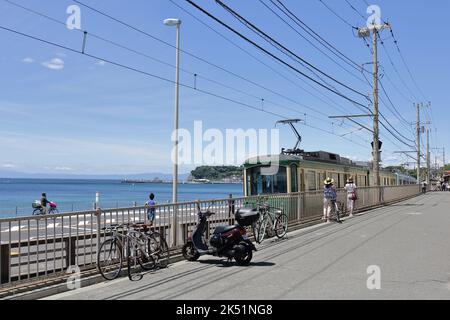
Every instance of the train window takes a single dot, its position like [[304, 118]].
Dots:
[[311, 180], [294, 179], [335, 177], [261, 184]]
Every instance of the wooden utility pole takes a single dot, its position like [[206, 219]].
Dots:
[[428, 157], [418, 143]]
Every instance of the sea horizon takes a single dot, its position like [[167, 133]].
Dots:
[[18, 194]]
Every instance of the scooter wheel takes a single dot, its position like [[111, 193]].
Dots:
[[189, 252], [245, 258]]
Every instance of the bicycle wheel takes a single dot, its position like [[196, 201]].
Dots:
[[262, 230], [281, 225], [159, 250], [144, 254], [109, 259], [133, 264]]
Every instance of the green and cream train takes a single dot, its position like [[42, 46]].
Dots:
[[307, 171]]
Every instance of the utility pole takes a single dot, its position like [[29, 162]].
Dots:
[[428, 157], [364, 33], [418, 143], [376, 132]]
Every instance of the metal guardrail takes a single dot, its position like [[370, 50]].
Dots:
[[39, 247]]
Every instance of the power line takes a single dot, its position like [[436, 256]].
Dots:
[[299, 22], [279, 46], [123, 66], [406, 65], [272, 55], [312, 44], [184, 70], [337, 15]]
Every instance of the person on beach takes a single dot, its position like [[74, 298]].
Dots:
[[352, 196], [44, 203], [329, 199], [150, 206]]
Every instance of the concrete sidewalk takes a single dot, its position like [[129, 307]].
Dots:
[[409, 242]]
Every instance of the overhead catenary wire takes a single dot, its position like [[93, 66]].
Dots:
[[282, 7], [167, 64], [123, 66], [272, 55], [277, 45]]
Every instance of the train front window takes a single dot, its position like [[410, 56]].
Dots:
[[262, 184]]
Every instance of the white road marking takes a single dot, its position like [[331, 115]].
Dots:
[[414, 213]]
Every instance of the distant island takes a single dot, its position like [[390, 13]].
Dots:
[[216, 174], [201, 175]]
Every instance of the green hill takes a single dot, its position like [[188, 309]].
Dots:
[[217, 173]]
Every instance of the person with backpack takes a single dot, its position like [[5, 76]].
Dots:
[[329, 200], [151, 210], [352, 196]]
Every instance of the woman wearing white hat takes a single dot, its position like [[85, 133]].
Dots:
[[352, 196], [329, 198]]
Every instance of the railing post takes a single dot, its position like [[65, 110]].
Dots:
[[70, 243], [5, 257], [173, 226], [98, 215]]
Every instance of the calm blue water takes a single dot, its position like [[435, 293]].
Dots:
[[80, 194]]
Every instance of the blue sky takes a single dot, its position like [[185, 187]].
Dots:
[[62, 112]]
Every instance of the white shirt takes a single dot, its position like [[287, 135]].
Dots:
[[350, 188]]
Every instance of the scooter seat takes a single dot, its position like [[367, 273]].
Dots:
[[224, 229]]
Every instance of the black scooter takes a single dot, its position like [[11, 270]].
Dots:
[[227, 241]]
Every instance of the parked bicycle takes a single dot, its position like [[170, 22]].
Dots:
[[142, 248], [337, 211], [40, 210], [272, 221]]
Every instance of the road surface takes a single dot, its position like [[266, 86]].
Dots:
[[408, 243]]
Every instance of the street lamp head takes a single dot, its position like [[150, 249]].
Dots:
[[172, 22]]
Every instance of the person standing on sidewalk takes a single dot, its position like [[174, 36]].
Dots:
[[352, 196], [329, 199]]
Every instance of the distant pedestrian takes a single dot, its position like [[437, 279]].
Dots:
[[329, 199], [230, 206], [352, 195], [151, 208], [424, 187], [44, 203]]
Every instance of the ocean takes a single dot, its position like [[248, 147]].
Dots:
[[17, 195]]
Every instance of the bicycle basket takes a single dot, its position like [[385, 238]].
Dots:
[[36, 204]]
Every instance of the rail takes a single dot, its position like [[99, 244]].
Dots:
[[41, 247]]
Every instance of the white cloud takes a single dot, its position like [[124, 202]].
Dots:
[[54, 64], [28, 60], [101, 63], [8, 166], [63, 169]]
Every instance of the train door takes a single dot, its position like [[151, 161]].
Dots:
[[302, 180]]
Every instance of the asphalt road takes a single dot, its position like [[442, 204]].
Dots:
[[408, 242]]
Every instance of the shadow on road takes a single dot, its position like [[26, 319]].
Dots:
[[225, 264], [407, 205]]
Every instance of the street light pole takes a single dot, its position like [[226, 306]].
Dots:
[[177, 23], [174, 220]]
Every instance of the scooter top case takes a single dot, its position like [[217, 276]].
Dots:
[[247, 216]]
